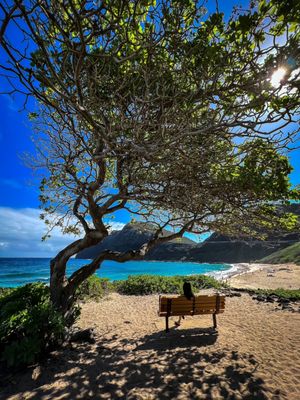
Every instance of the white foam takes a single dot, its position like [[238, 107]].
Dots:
[[235, 269]]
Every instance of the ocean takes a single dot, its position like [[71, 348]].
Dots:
[[19, 271]]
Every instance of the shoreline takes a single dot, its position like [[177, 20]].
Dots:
[[18, 272], [240, 275], [237, 269], [233, 270], [264, 276]]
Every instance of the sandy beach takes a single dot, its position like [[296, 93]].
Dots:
[[254, 354], [265, 276]]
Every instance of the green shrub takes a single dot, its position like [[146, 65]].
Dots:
[[151, 284], [28, 324], [93, 288], [4, 291], [290, 294]]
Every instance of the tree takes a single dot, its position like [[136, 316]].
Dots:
[[159, 109]]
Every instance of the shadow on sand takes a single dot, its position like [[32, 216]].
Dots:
[[181, 364]]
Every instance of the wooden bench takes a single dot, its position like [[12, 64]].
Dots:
[[180, 306]]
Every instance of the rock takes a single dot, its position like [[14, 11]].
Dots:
[[36, 373], [284, 301], [270, 299], [260, 298], [230, 293], [286, 307], [85, 335]]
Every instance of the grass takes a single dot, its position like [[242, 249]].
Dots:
[[290, 254]]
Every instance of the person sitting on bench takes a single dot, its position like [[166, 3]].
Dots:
[[188, 293]]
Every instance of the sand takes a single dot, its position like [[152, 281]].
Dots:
[[254, 354], [266, 276]]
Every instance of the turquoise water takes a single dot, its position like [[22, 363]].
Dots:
[[19, 271]]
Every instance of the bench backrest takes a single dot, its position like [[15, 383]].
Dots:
[[180, 305]]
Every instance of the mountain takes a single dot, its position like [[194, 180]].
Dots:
[[133, 236], [221, 248], [216, 249], [290, 254]]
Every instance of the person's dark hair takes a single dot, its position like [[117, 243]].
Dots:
[[187, 290]]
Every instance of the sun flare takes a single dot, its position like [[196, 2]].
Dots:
[[277, 77]]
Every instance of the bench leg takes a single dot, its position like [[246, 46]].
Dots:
[[167, 323], [215, 320]]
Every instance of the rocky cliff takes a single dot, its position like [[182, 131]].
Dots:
[[133, 236], [219, 248]]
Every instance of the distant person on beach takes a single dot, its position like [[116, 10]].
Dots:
[[188, 293]]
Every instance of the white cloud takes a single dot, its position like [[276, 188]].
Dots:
[[115, 226], [21, 231]]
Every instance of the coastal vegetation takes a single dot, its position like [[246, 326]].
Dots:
[[290, 254], [281, 294], [4, 291], [154, 284], [159, 110], [94, 288], [29, 325]]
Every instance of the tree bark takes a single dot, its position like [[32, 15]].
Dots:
[[61, 292], [58, 281]]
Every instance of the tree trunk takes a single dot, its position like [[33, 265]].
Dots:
[[58, 284], [62, 294], [61, 291]]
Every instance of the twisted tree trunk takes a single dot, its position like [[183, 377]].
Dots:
[[61, 291]]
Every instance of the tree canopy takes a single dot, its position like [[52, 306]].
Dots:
[[158, 108]]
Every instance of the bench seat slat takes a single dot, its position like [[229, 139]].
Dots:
[[199, 312], [185, 300], [198, 304], [175, 302], [178, 305], [196, 311], [200, 297], [190, 303], [212, 307]]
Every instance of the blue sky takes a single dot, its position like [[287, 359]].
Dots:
[[20, 227]]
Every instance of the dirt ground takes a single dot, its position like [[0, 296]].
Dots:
[[254, 354]]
